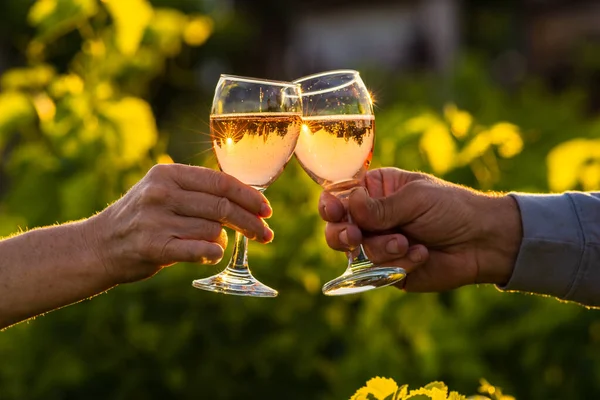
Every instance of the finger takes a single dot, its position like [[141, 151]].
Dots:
[[377, 214], [342, 236], [206, 180], [384, 248], [200, 251], [221, 210], [199, 229], [331, 208]]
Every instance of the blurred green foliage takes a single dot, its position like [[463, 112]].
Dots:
[[74, 135]]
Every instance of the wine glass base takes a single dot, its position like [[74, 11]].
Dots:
[[363, 280], [236, 284]]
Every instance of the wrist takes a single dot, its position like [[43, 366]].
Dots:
[[499, 239], [96, 245]]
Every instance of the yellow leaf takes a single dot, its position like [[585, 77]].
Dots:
[[565, 160], [16, 109], [475, 148], [420, 394], [439, 147], [486, 388], [421, 122], [25, 78], [460, 121], [54, 18], [361, 394], [401, 393], [198, 30], [167, 27], [508, 139], [589, 176], [136, 126], [381, 387], [456, 396], [131, 19], [437, 385], [67, 84], [41, 9], [164, 159], [45, 107], [438, 393]]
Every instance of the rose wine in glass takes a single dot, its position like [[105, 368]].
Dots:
[[254, 125], [335, 148]]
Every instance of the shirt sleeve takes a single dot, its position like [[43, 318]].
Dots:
[[560, 250]]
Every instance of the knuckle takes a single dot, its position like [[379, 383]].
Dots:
[[158, 171], [223, 209], [379, 210], [221, 183], [154, 193]]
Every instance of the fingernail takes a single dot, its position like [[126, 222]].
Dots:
[[265, 210], [344, 237], [325, 212], [415, 255], [268, 234], [392, 247]]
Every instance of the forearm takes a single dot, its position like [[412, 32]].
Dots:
[[560, 250], [45, 269]]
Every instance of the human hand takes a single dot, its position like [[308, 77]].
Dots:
[[444, 235], [175, 213]]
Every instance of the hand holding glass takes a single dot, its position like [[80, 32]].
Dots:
[[335, 148], [254, 127]]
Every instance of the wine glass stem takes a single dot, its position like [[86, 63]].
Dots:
[[357, 259], [239, 259], [238, 266]]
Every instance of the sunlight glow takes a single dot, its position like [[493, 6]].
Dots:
[[305, 129], [371, 97], [229, 141]]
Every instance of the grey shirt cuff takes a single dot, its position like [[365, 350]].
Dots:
[[559, 252]]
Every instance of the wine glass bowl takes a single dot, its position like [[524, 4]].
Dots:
[[254, 125], [335, 148]]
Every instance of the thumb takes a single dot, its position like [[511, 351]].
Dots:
[[383, 213]]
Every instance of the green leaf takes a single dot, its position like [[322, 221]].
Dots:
[[54, 18], [131, 20], [32, 169], [78, 195]]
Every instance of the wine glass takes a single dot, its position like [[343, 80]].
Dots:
[[254, 126], [335, 148]]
